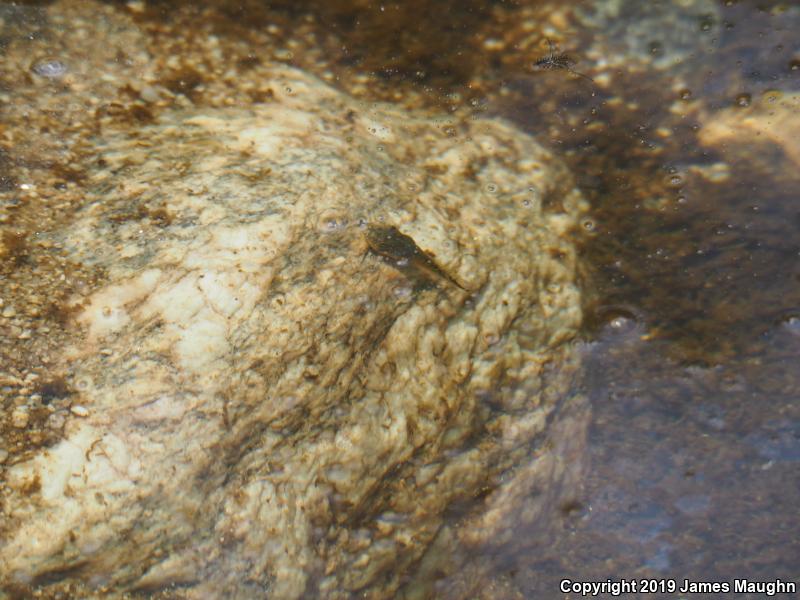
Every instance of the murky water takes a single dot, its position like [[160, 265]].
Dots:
[[681, 124]]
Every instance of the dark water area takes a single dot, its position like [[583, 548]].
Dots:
[[693, 470], [683, 133]]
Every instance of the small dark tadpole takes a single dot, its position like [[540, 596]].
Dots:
[[390, 243], [557, 61]]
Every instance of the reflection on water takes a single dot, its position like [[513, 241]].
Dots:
[[684, 137]]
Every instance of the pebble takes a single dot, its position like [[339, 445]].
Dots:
[[3, 456], [79, 411], [9, 312]]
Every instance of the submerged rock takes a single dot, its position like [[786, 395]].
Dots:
[[766, 131], [262, 405]]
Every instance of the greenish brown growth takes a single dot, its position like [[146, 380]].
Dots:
[[403, 251]]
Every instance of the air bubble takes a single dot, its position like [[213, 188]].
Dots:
[[617, 320], [791, 323], [675, 180], [620, 323], [333, 223], [51, 69], [588, 225], [402, 292]]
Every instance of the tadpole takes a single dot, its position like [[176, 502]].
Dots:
[[403, 251]]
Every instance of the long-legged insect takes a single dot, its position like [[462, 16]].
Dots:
[[557, 61]]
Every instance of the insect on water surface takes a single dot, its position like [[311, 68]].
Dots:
[[557, 61]]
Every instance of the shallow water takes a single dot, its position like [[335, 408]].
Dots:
[[692, 327], [692, 338]]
